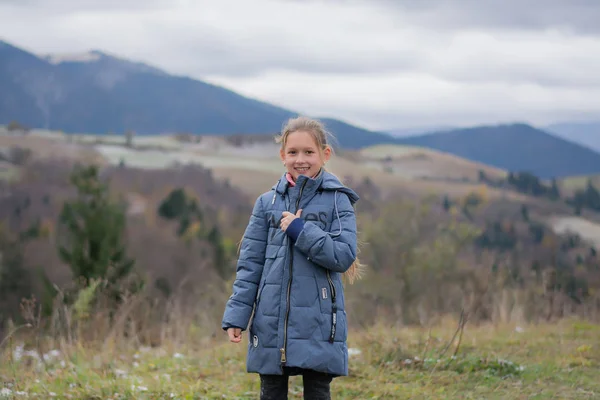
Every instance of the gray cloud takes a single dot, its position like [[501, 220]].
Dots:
[[381, 63], [253, 57], [71, 6], [580, 16]]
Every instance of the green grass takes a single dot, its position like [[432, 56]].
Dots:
[[536, 362], [579, 182], [9, 174], [394, 150]]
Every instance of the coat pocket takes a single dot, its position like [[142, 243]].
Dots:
[[325, 293]]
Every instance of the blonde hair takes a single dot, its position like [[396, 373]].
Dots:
[[321, 136], [305, 124]]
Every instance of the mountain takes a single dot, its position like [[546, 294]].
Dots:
[[404, 132], [346, 133], [26, 82], [99, 93], [585, 133], [514, 147]]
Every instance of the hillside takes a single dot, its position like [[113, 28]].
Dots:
[[98, 93], [585, 133], [515, 147], [252, 162], [351, 137], [422, 163], [501, 361], [428, 221]]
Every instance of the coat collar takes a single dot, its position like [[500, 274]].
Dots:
[[308, 184], [323, 181]]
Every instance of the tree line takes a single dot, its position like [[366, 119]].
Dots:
[[527, 183]]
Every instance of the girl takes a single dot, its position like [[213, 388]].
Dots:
[[300, 239]]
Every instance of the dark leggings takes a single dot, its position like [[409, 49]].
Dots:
[[316, 385]]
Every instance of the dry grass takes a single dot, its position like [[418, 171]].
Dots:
[[588, 230], [570, 184], [416, 162], [255, 166], [44, 148], [252, 183], [557, 360]]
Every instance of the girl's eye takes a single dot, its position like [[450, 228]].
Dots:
[[292, 152], [309, 152]]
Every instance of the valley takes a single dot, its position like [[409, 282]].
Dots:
[[136, 137]]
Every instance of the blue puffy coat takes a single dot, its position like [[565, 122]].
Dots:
[[292, 289]]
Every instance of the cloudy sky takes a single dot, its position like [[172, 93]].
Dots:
[[382, 64]]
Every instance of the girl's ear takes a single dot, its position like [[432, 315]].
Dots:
[[327, 154], [282, 155]]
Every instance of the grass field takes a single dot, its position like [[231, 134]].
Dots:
[[255, 167], [553, 361], [579, 182], [418, 162], [52, 147], [588, 230]]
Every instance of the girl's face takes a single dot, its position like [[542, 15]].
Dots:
[[302, 155]]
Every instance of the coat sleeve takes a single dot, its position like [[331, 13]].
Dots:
[[248, 272], [335, 250]]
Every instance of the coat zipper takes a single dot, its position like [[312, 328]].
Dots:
[[333, 308], [289, 287]]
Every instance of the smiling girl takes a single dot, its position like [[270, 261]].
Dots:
[[300, 239]]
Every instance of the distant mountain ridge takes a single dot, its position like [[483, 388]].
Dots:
[[514, 147], [585, 133], [98, 93], [407, 132]]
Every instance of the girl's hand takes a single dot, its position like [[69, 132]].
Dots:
[[235, 334], [288, 217]]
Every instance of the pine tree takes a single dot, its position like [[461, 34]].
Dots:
[[174, 205], [447, 204], [15, 279], [592, 196], [525, 212], [215, 238], [177, 206], [482, 177], [94, 227], [554, 191], [511, 178]]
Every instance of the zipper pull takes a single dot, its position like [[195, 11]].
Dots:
[[333, 323], [283, 359]]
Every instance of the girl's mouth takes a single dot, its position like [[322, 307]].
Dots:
[[303, 169]]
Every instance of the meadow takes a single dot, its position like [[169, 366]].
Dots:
[[154, 353], [557, 360]]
